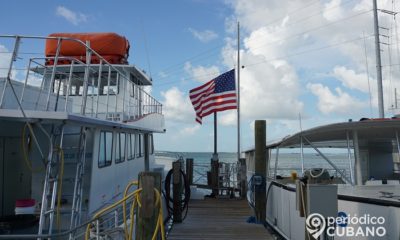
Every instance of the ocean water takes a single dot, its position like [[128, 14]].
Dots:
[[201, 161], [287, 162]]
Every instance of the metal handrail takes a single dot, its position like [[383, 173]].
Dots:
[[132, 107], [339, 171]]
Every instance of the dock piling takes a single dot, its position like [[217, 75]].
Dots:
[[189, 170], [214, 177], [148, 213], [177, 192], [261, 159], [242, 178]]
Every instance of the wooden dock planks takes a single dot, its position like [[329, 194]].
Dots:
[[218, 219]]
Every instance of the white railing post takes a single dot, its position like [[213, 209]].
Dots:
[[86, 78], [276, 162], [116, 97], [108, 89], [129, 99], [69, 85], [92, 98], [98, 86], [41, 87], [53, 73], [26, 81], [140, 101], [123, 97], [302, 153], [349, 157], [97, 230], [116, 218], [13, 58]]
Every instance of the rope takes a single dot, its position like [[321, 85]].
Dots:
[[124, 205], [25, 151], [318, 175], [183, 203]]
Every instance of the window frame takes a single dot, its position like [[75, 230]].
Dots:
[[151, 143], [131, 147], [138, 145], [101, 163], [121, 148]]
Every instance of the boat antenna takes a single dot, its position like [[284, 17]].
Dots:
[[301, 145], [367, 69], [301, 128], [238, 90], [378, 61], [146, 48]]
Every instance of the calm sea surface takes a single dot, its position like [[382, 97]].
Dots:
[[288, 162]]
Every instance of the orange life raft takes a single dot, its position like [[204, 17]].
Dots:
[[111, 46]]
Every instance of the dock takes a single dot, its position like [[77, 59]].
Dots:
[[218, 219]]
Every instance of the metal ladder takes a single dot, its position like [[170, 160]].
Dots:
[[50, 184], [50, 189], [78, 186]]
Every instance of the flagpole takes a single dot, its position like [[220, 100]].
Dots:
[[238, 91], [215, 155]]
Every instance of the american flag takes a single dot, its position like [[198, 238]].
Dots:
[[216, 95]]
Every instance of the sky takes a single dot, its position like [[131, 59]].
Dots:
[[304, 63]]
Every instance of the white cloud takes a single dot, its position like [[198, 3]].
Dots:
[[228, 118], [333, 11], [339, 103], [366, 5], [292, 27], [71, 16], [177, 106], [5, 58], [148, 89], [200, 73], [268, 90], [351, 79], [187, 131], [203, 36], [274, 80], [162, 74]]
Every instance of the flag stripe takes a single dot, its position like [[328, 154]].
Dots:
[[214, 98], [219, 103], [220, 109], [200, 87], [216, 95], [196, 97]]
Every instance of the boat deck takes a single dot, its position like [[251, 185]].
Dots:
[[218, 219]]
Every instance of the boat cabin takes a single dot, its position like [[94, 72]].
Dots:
[[75, 131]]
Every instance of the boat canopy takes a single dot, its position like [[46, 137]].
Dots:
[[335, 135]]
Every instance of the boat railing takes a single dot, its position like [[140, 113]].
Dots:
[[200, 173], [227, 174], [110, 225], [286, 171], [32, 82]]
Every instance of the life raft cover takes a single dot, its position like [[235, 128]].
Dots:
[[110, 46]]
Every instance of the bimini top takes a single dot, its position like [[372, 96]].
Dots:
[[335, 135]]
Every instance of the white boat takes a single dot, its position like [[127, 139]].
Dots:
[[369, 185], [318, 199], [75, 130]]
